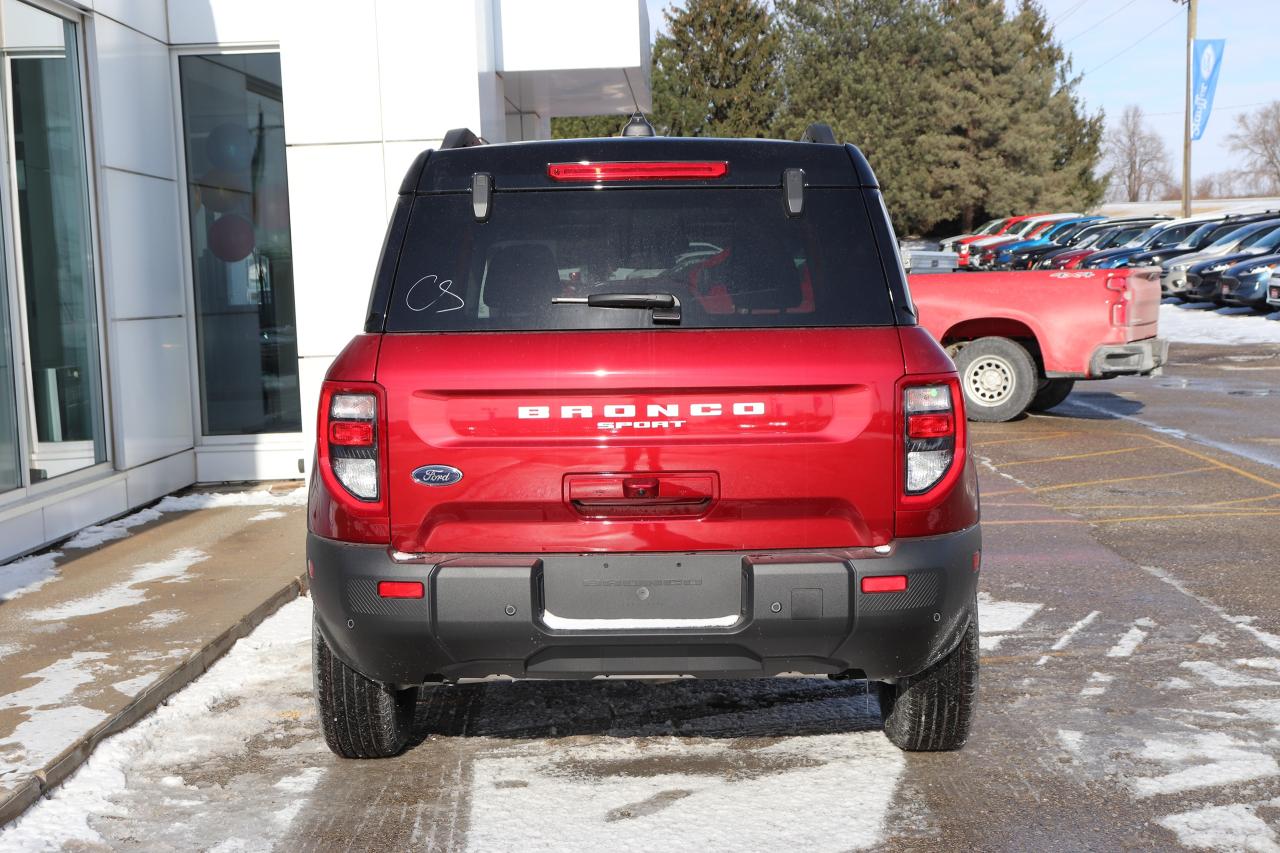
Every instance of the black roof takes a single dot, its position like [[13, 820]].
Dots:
[[523, 165]]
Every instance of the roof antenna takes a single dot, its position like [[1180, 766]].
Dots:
[[638, 125]]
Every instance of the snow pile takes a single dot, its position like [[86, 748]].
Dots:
[[91, 537], [997, 619], [185, 755], [1199, 326], [28, 574]]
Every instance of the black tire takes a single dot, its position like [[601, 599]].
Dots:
[[1051, 393], [360, 718], [932, 711], [998, 379]]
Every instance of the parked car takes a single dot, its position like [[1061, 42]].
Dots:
[[1021, 340], [1017, 254], [995, 227], [1249, 283], [1089, 235], [1160, 236], [756, 465], [1071, 257], [1199, 240], [982, 253], [1273, 292], [1198, 273]]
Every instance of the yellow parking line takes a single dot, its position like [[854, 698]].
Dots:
[[1213, 461], [1040, 489], [1004, 492], [986, 523], [1085, 507], [1257, 513], [1072, 456], [1024, 438]]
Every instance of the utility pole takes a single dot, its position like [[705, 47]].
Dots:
[[1186, 136]]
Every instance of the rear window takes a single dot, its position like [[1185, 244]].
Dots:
[[732, 257]]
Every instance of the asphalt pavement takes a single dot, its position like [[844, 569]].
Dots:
[[1130, 693]]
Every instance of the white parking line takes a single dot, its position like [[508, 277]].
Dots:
[[1065, 639], [1125, 646]]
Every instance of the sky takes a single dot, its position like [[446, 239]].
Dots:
[[1134, 52]]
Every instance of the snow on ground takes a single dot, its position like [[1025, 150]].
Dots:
[[539, 793], [127, 593], [997, 619], [1188, 325], [1233, 827], [177, 766], [30, 573]]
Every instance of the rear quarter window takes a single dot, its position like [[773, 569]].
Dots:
[[732, 257]]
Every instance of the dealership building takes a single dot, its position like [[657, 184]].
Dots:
[[193, 201]]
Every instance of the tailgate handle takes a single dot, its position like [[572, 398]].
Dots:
[[628, 494]]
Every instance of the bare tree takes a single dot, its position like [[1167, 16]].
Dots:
[[1138, 159], [1257, 138]]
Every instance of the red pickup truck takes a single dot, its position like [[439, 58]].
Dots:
[[1021, 339]]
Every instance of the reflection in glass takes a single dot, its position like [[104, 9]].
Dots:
[[56, 241], [233, 121], [10, 452]]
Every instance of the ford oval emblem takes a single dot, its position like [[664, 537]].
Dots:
[[436, 475]]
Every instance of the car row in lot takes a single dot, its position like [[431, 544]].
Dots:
[[1219, 258]]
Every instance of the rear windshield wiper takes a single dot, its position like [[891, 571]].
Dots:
[[665, 306]]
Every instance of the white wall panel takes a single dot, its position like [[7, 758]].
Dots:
[[156, 479], [235, 21], [137, 115], [311, 373], [21, 530], [337, 199], [398, 157], [83, 507], [149, 16], [420, 44], [151, 385], [329, 63], [239, 463], [561, 34], [141, 221]]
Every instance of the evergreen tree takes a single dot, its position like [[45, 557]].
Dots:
[[865, 67], [586, 127], [715, 70]]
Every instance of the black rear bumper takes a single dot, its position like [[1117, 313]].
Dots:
[[644, 614]]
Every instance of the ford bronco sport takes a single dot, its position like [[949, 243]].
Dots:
[[637, 407]]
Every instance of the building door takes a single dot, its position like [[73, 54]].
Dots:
[[241, 265], [49, 195]]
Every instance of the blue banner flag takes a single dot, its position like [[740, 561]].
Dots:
[[1206, 59]]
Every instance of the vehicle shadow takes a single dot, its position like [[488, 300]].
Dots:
[[772, 707], [1094, 406]]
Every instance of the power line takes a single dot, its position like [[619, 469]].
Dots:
[[1101, 22], [1134, 44], [1070, 12]]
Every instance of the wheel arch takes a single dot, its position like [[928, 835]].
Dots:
[[961, 333]]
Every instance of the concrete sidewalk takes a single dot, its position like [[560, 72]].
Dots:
[[97, 634]]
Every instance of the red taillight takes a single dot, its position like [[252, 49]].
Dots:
[[400, 589], [929, 433], [930, 426], [885, 583], [351, 433], [637, 171]]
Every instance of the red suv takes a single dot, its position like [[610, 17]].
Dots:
[[634, 407]]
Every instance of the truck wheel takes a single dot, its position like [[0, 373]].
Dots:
[[998, 378], [360, 718], [932, 711], [1051, 393]]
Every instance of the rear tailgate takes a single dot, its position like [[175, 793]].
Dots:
[[711, 439], [1143, 297]]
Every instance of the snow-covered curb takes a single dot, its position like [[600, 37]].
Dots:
[[1188, 325]]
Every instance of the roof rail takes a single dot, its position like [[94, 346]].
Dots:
[[819, 132], [461, 137]]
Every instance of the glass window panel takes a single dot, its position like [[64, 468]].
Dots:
[[10, 452], [55, 239], [233, 122]]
